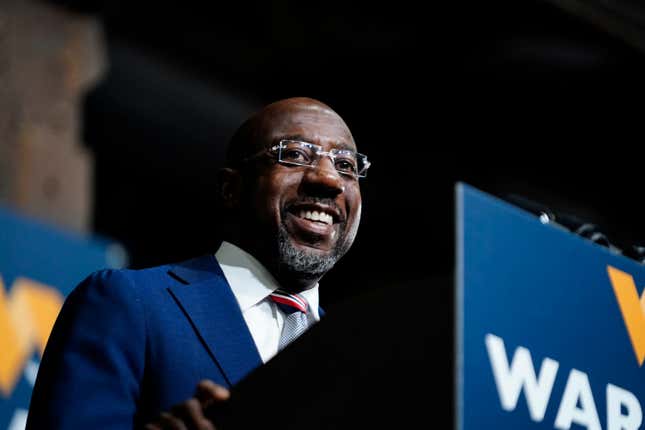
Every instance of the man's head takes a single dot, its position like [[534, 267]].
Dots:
[[297, 220]]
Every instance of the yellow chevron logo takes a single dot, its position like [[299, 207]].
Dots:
[[27, 316], [632, 306]]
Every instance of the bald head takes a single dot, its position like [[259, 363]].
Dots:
[[262, 128]]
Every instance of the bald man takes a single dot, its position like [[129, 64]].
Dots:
[[131, 347]]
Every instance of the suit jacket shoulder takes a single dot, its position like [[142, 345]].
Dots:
[[130, 343]]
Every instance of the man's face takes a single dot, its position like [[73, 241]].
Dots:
[[310, 213]]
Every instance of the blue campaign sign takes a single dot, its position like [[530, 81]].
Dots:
[[550, 326], [39, 266]]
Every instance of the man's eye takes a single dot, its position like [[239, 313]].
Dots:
[[295, 155], [345, 166]]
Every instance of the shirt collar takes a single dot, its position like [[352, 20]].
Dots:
[[250, 281]]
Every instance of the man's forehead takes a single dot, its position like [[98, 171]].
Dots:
[[310, 123]]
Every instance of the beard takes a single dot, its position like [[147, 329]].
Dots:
[[307, 264]]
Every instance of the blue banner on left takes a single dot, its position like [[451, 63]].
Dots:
[[39, 266]]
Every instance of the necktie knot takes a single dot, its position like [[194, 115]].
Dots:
[[296, 319], [289, 303]]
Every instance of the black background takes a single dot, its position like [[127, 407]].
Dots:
[[509, 96]]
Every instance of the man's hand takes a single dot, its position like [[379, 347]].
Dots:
[[190, 414]]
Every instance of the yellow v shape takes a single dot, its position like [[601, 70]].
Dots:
[[26, 319], [632, 307]]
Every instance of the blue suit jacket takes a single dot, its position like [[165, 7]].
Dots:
[[129, 344]]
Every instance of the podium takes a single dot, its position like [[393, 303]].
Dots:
[[364, 365], [547, 331], [550, 326]]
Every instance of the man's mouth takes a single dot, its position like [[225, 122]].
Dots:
[[314, 221], [316, 216]]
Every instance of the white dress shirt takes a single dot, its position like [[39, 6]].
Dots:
[[252, 284]]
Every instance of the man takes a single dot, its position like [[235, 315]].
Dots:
[[131, 344]]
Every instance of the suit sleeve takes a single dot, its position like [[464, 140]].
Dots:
[[92, 367]]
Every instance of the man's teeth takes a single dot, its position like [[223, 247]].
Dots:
[[317, 216]]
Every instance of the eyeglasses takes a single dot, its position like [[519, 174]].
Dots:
[[346, 162]]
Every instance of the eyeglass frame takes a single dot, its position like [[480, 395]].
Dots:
[[277, 150]]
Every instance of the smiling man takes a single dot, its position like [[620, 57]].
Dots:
[[297, 181], [129, 345]]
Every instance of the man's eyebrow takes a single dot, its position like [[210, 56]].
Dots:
[[347, 146], [302, 138], [298, 137]]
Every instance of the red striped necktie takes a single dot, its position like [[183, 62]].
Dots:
[[295, 309]]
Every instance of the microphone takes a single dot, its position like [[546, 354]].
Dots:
[[573, 224], [636, 252]]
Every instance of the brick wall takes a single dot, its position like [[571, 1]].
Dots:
[[48, 58]]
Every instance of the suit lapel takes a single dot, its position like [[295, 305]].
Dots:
[[208, 302]]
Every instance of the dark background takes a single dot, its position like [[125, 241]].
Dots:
[[509, 96]]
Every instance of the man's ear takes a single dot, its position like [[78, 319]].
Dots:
[[229, 182]]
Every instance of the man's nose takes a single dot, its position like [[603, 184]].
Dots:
[[324, 178]]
